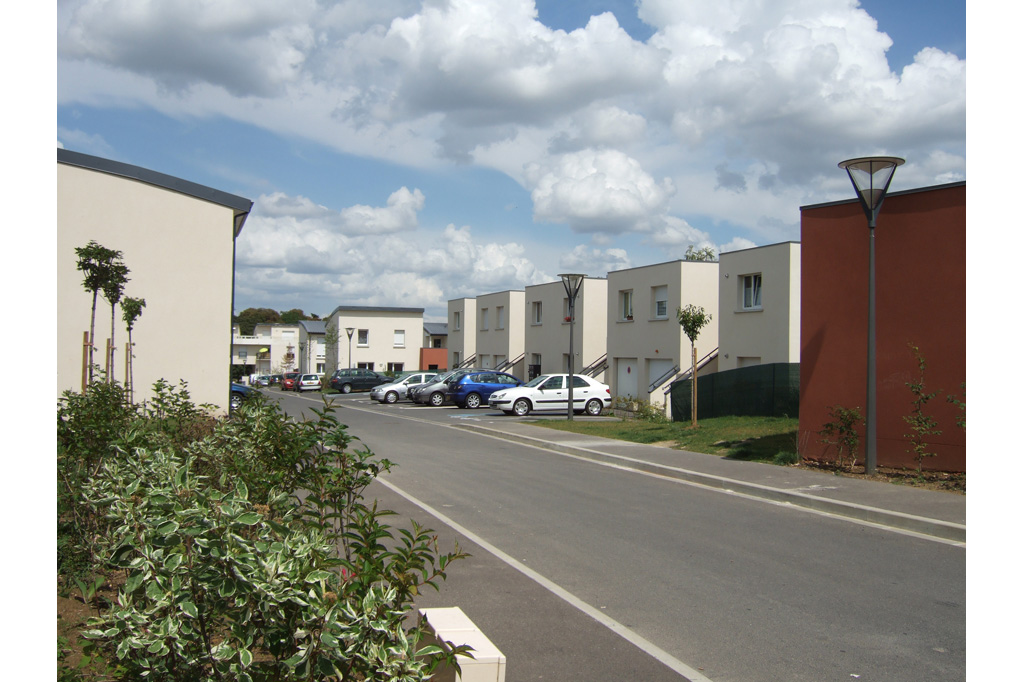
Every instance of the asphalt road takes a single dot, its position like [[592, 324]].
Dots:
[[585, 572]]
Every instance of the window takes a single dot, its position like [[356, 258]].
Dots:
[[456, 358], [538, 312], [626, 305], [659, 302], [396, 367], [364, 337], [483, 319], [457, 321], [436, 343], [499, 317], [751, 292], [399, 338]]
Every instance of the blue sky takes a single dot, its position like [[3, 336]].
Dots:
[[407, 152]]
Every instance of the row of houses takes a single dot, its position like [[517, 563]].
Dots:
[[799, 303]]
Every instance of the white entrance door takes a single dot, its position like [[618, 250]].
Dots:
[[626, 377]]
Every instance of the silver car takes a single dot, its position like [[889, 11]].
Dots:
[[399, 390]]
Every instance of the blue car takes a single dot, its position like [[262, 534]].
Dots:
[[239, 394], [472, 390]]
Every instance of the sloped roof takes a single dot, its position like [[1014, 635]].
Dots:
[[436, 328], [240, 205]]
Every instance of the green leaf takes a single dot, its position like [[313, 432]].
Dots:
[[173, 561], [248, 518], [168, 528], [245, 657], [190, 609]]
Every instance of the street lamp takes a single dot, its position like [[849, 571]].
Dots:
[[349, 330], [871, 176], [572, 284]]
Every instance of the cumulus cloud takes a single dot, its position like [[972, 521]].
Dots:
[[305, 251], [596, 191], [731, 116], [595, 262]]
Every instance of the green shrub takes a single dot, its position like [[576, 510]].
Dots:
[[785, 458], [641, 410], [841, 433], [294, 578]]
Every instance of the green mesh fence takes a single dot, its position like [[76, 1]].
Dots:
[[763, 390]]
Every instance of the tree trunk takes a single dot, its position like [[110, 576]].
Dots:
[[92, 331]]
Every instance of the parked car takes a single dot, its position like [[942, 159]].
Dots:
[[348, 380], [434, 393], [239, 394], [473, 390], [550, 393], [262, 380], [290, 381], [309, 382], [398, 390], [275, 379]]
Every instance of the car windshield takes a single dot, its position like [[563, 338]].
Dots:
[[537, 382]]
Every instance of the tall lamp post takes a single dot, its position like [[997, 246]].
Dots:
[[871, 176], [349, 331], [572, 284]]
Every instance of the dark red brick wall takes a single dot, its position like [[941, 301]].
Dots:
[[921, 298]]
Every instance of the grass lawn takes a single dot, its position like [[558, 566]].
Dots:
[[758, 439]]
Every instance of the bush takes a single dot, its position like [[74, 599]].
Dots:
[[249, 553], [640, 409], [841, 433]]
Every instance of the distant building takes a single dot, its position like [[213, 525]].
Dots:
[[178, 240], [434, 353], [500, 332], [462, 332], [369, 337], [921, 299]]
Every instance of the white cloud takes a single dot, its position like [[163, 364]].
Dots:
[[730, 117], [596, 191], [595, 262], [303, 251]]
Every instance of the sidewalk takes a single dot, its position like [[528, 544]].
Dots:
[[928, 512]]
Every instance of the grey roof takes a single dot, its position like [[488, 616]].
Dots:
[[372, 309], [241, 205], [931, 188], [314, 326], [436, 328]]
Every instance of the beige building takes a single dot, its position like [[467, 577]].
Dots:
[[178, 240], [759, 306], [646, 345], [378, 338], [500, 332], [547, 329], [462, 332], [312, 347]]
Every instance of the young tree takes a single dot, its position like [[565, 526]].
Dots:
[[692, 319], [332, 337], [706, 253], [113, 289], [95, 261], [131, 310]]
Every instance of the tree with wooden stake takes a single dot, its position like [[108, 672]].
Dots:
[[131, 309], [95, 261], [113, 289], [692, 319]]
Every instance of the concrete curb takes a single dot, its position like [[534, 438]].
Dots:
[[917, 524]]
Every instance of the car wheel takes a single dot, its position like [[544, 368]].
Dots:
[[236, 401], [594, 408], [437, 399], [521, 407], [346, 388], [472, 401], [391, 397]]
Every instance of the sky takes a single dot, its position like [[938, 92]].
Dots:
[[409, 152]]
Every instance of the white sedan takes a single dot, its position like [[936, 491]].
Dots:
[[398, 390], [550, 393]]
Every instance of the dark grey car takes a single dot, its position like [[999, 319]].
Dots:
[[434, 393]]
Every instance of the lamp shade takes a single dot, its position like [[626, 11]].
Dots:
[[572, 283], [871, 176]]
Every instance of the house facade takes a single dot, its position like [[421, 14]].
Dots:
[[759, 306], [434, 353], [921, 282], [461, 331], [312, 347], [500, 331], [178, 240], [547, 328], [378, 338], [646, 345]]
